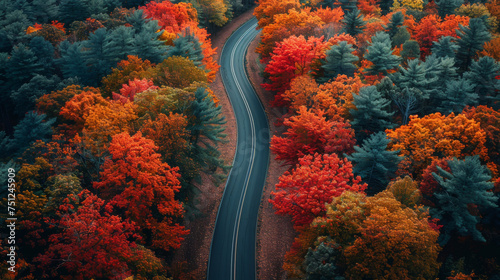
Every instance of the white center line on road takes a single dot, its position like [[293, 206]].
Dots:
[[234, 245]]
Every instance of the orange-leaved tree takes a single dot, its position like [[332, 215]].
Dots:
[[302, 22], [266, 10], [334, 98], [136, 181], [436, 136]]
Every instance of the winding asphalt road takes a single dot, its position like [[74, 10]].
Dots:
[[232, 252]]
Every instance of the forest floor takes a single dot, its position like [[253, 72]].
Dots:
[[275, 233]]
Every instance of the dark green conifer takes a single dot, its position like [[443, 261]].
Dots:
[[353, 22], [374, 163], [207, 127], [339, 61], [395, 22], [188, 46], [380, 54], [445, 47], [371, 112], [472, 39], [482, 76], [467, 184], [459, 93], [447, 7]]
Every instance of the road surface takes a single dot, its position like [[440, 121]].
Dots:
[[232, 252]]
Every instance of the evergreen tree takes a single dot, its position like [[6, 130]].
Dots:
[[187, 46], [147, 31], [374, 164], [321, 262], [353, 22], [13, 29], [445, 47], [22, 66], [72, 61], [96, 59], [482, 76], [401, 36], [447, 7], [44, 51], [446, 70], [370, 114], [459, 93], [385, 5], [33, 127], [43, 10], [26, 96], [408, 101], [414, 76], [472, 39], [467, 183], [411, 50], [118, 44], [380, 54], [73, 10], [394, 24], [207, 127], [339, 61]]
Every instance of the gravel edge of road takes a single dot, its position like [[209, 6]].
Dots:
[[275, 233], [195, 249]]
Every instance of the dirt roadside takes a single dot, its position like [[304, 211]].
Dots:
[[275, 233], [195, 249]]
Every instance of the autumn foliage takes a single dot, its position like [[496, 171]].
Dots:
[[308, 133], [303, 192], [138, 182]]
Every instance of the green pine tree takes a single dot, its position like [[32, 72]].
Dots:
[[373, 163], [22, 66], [411, 50], [187, 46], [26, 96], [447, 7], [73, 10], [467, 183], [401, 36], [459, 93], [339, 61], [207, 127], [33, 127], [371, 112], [320, 262], [72, 62], [118, 44], [445, 47], [96, 60], [146, 42], [414, 76], [395, 22], [380, 54], [472, 39], [482, 75], [353, 22]]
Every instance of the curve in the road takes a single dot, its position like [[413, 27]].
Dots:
[[232, 252]]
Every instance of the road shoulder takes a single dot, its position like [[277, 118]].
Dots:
[[275, 233], [195, 249]]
